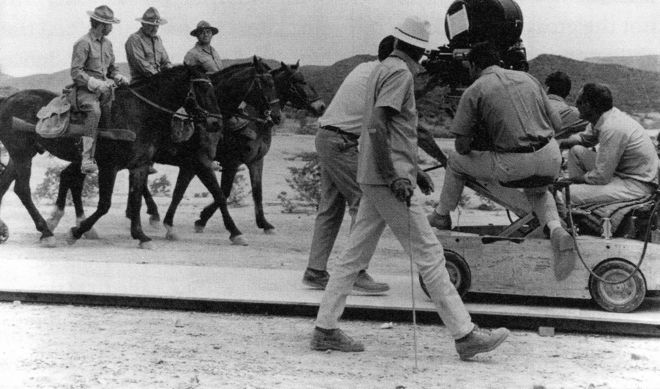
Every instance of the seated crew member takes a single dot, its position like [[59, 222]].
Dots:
[[625, 167], [558, 87], [520, 125]]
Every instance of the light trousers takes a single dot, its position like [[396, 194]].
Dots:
[[378, 209]]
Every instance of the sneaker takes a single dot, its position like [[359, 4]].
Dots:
[[366, 284], [316, 279], [335, 340], [480, 341], [441, 222], [563, 247]]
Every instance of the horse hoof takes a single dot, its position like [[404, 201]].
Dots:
[[269, 231], [173, 236], [199, 228], [154, 222], [148, 245], [91, 234], [70, 239], [239, 240], [48, 242]]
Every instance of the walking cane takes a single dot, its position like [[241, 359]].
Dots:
[[412, 290]]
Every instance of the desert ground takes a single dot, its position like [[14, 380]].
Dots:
[[92, 347]]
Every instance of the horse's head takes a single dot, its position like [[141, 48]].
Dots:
[[262, 94], [292, 87]]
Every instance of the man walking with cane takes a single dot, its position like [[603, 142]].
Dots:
[[387, 171]]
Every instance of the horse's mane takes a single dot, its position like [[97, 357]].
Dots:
[[235, 67]]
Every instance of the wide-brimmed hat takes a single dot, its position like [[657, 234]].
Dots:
[[414, 31], [201, 26], [152, 16], [103, 14]]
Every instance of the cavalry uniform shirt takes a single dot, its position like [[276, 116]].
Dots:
[[625, 150], [391, 85], [346, 110], [570, 116], [92, 57], [146, 56], [513, 107], [206, 57]]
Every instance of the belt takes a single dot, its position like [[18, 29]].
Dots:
[[528, 149], [341, 132]]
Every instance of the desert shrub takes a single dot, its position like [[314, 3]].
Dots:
[[239, 191], [305, 181], [160, 186], [49, 187]]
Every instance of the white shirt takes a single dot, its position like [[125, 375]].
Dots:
[[346, 110]]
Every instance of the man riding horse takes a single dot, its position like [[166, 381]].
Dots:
[[94, 75]]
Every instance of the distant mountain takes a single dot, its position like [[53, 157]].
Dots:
[[649, 63], [634, 90]]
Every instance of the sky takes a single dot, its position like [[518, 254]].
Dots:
[[37, 36]]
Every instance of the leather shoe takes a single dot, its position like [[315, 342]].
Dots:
[[366, 284], [480, 341], [563, 248], [441, 222], [334, 339], [316, 279]]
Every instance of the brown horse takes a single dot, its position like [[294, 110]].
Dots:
[[145, 110]]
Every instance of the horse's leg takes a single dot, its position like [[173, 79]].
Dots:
[[256, 169], [6, 178], [182, 181], [207, 176], [22, 189], [107, 177], [210, 209], [137, 184], [152, 208]]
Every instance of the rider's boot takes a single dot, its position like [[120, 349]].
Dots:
[[88, 164]]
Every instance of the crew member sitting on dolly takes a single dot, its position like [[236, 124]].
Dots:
[[520, 124], [625, 167], [558, 87]]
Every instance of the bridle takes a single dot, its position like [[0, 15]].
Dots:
[[292, 90], [257, 87], [200, 114]]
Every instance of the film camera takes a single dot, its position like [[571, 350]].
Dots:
[[468, 22]]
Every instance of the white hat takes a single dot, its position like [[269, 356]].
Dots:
[[414, 31]]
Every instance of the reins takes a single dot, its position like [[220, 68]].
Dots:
[[171, 112]]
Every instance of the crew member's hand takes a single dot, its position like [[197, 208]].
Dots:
[[425, 182], [120, 79], [402, 189]]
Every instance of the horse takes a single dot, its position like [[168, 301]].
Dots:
[[235, 150], [143, 109], [249, 83], [291, 88]]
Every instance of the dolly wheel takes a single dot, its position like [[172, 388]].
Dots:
[[624, 297], [459, 273]]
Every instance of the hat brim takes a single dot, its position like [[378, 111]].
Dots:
[[158, 23], [106, 21], [196, 31], [402, 36]]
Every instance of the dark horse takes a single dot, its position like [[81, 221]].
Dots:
[[145, 110], [250, 83], [291, 88], [235, 150]]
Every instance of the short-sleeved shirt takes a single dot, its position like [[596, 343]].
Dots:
[[570, 116], [346, 110], [204, 56], [146, 56], [625, 149], [92, 57], [512, 106], [390, 85]]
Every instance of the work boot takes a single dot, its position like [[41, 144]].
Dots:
[[366, 284], [480, 341], [334, 339], [563, 248], [317, 279], [441, 222], [88, 164]]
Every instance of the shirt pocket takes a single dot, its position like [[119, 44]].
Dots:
[[94, 60]]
